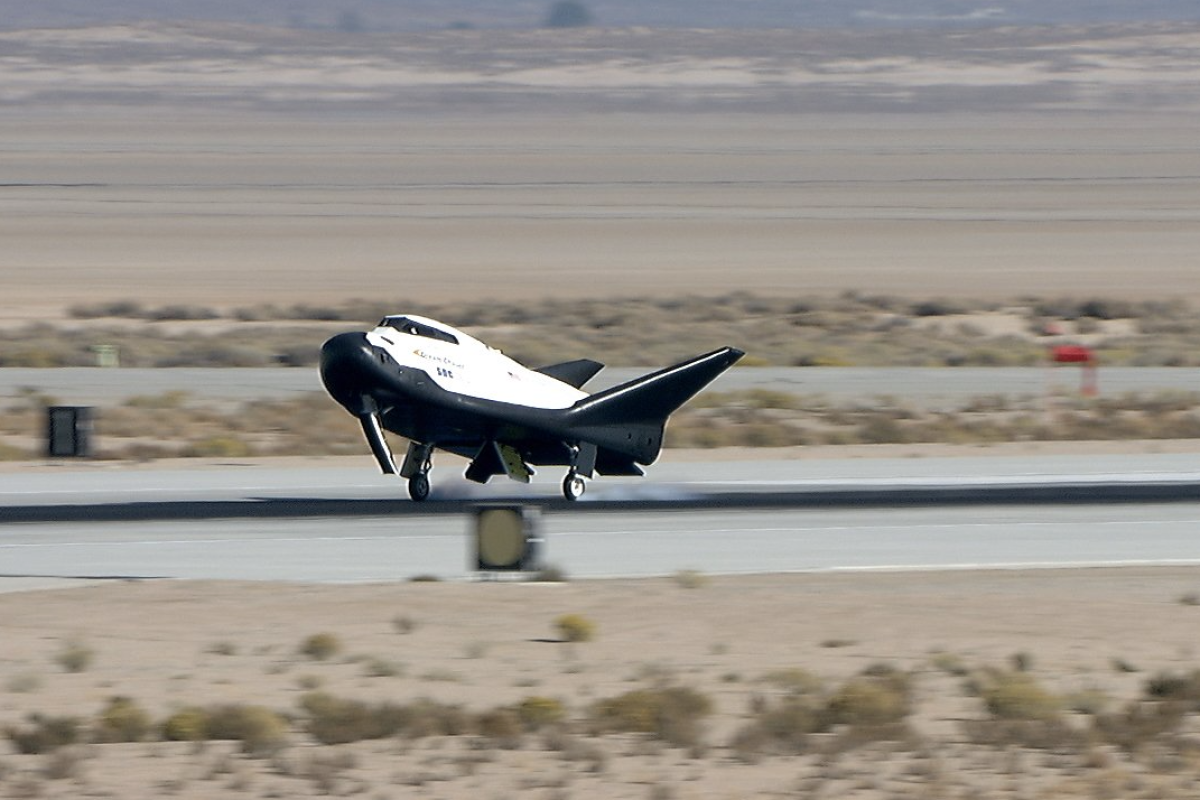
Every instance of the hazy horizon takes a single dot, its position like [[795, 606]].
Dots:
[[424, 15]]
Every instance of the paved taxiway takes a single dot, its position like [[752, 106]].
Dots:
[[351, 524]]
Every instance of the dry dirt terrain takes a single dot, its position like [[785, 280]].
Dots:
[[224, 213], [229, 166], [1091, 639]]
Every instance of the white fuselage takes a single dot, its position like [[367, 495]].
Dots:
[[462, 364]]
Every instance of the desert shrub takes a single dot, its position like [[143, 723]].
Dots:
[[75, 656], [223, 648], [794, 681], [1041, 734], [186, 725], [671, 713], [259, 729], [115, 308], [834, 644], [216, 354], [1106, 308], [869, 707], [431, 718], [938, 307], [1183, 689], [801, 330], [174, 400], [334, 720], [180, 312], [298, 355], [502, 726], [1018, 696], [1138, 724], [575, 628], [1021, 661], [321, 646], [41, 357], [782, 729], [218, 447], [122, 720], [869, 701], [950, 663], [44, 734], [1167, 700], [538, 712], [382, 668], [879, 428], [1020, 713]]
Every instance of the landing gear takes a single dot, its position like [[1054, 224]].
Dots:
[[417, 463], [418, 486], [583, 462], [573, 486]]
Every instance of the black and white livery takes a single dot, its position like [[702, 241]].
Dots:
[[443, 389]]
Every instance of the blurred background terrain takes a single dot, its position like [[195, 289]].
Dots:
[[850, 185], [415, 15]]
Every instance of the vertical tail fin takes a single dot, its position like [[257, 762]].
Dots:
[[630, 418]]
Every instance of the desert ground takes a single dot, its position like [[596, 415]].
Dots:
[[1091, 639], [220, 213], [207, 168]]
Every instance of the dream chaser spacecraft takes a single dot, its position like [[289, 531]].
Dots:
[[440, 388]]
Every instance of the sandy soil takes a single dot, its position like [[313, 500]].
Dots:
[[227, 215], [483, 645]]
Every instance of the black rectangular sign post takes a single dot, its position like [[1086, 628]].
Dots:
[[68, 431]]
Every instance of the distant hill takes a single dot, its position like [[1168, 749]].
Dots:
[[424, 15]]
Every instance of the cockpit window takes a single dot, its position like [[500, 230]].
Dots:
[[414, 328]]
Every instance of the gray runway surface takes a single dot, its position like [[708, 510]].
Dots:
[[100, 492], [617, 544], [650, 527], [933, 387]]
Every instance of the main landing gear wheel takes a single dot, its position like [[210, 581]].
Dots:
[[573, 486], [418, 486]]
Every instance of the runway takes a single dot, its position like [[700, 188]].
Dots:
[[340, 524], [372, 549]]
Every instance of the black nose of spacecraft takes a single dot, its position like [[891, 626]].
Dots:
[[350, 368]]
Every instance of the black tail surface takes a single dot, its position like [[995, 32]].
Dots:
[[630, 418]]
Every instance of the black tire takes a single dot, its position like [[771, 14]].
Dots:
[[418, 487], [573, 486]]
